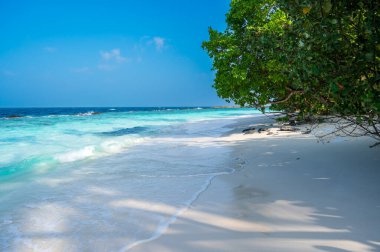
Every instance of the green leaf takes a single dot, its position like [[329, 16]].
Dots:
[[327, 6]]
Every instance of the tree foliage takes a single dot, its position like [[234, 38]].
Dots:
[[310, 57]]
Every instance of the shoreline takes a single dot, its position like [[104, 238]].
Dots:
[[111, 202], [288, 193], [202, 185]]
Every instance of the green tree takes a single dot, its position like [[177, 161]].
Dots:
[[309, 57]]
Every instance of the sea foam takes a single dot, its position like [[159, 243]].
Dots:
[[71, 156], [132, 186]]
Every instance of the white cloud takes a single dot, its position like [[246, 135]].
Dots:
[[113, 55], [159, 43], [50, 49]]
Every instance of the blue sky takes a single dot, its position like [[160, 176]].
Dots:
[[107, 53]]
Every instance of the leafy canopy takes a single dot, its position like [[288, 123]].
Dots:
[[310, 57]]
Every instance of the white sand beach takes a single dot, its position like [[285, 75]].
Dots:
[[204, 186], [289, 193], [189, 126]]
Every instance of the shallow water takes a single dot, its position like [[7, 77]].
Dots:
[[104, 182]]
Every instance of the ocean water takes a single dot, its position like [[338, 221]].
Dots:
[[103, 179]]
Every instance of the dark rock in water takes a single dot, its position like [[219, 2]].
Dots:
[[248, 129], [126, 131], [14, 116], [252, 130], [261, 130], [96, 113], [249, 132]]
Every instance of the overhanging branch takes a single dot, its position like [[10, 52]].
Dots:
[[288, 97]]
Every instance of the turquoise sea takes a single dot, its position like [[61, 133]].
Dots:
[[40, 138], [103, 179]]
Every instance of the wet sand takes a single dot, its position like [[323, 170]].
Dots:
[[289, 193]]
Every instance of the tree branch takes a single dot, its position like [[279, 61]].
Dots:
[[288, 97]]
